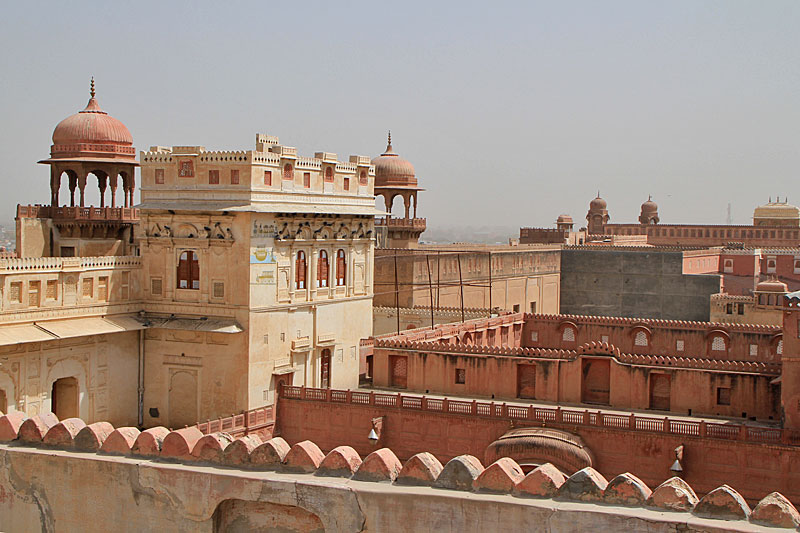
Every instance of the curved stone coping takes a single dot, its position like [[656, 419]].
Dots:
[[462, 473]]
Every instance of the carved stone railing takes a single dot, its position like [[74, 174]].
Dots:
[[50, 264], [552, 416], [89, 214]]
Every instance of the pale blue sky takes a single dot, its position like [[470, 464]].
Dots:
[[511, 112]]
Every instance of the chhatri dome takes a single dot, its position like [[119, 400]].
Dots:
[[777, 213], [649, 206], [598, 203], [391, 170], [92, 134]]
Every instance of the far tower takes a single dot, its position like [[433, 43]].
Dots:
[[597, 217], [649, 213]]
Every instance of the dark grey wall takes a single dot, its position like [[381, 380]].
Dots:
[[635, 283]]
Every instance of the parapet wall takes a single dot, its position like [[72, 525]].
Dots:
[[171, 481]]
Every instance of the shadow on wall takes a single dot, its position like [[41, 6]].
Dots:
[[241, 516]]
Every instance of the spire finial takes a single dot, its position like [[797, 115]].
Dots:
[[91, 88], [649, 197], [598, 193], [390, 137]]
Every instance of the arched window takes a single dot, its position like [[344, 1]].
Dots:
[[362, 178], [341, 268], [329, 174], [641, 338], [188, 271], [300, 271], [322, 269]]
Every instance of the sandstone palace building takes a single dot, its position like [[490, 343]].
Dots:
[[239, 271]]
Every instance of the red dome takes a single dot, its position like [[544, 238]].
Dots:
[[649, 206], [598, 203], [92, 125], [392, 170], [92, 134]]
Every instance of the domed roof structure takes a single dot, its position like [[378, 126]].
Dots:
[[776, 213], [598, 203], [92, 134], [391, 170], [649, 206], [564, 219], [772, 285], [531, 447]]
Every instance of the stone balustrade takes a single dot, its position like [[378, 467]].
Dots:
[[463, 473], [59, 264], [88, 214], [551, 416]]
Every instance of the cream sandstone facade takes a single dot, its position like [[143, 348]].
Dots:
[[261, 246]]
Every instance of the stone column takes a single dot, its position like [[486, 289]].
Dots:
[[102, 183], [55, 185], [406, 202], [73, 184], [82, 185], [312, 271], [414, 197], [113, 179], [132, 186]]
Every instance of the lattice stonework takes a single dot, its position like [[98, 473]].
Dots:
[[641, 338], [52, 289], [718, 344], [155, 286], [679, 345], [88, 287], [219, 289], [753, 350], [15, 292], [568, 335]]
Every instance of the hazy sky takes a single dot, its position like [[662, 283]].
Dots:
[[511, 112]]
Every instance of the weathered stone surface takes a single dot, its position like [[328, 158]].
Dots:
[[36, 427], [271, 454], [180, 443], [674, 494], [723, 502], [63, 434], [211, 447], [586, 485], [304, 456], [459, 473], [380, 465], [10, 424], [422, 469], [120, 441], [500, 476], [776, 511], [92, 437], [341, 461], [541, 482], [627, 489], [150, 441], [238, 452]]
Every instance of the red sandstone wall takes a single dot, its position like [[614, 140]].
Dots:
[[560, 381], [752, 469], [662, 337]]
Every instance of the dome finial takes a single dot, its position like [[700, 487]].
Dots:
[[649, 197], [598, 193], [390, 138], [91, 88]]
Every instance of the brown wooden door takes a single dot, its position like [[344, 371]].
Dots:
[[326, 369], [596, 381], [526, 381], [399, 370], [659, 391]]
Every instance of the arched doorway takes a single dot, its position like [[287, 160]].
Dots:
[[325, 369], [182, 399], [64, 398]]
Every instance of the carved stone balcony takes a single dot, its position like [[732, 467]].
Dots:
[[87, 214]]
